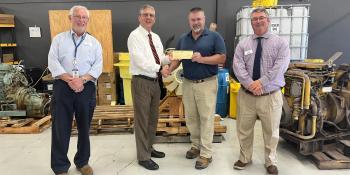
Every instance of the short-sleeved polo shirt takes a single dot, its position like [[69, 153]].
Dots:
[[208, 43]]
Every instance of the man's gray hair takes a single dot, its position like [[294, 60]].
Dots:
[[259, 10], [71, 11], [147, 6]]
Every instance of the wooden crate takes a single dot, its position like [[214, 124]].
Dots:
[[111, 120], [24, 126]]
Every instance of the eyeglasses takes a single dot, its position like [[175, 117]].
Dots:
[[258, 18], [148, 14], [81, 17]]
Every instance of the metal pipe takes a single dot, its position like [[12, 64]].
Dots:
[[313, 131]]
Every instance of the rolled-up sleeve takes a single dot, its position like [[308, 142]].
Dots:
[[96, 68], [239, 67], [54, 65]]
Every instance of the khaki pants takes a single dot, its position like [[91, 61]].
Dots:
[[269, 109], [200, 100]]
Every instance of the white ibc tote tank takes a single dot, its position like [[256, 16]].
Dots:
[[288, 21]]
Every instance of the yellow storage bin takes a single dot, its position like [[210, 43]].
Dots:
[[124, 63], [124, 57], [127, 91], [234, 88], [264, 3]]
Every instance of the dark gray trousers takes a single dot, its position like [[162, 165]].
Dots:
[[145, 95]]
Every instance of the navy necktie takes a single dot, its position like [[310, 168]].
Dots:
[[256, 68]]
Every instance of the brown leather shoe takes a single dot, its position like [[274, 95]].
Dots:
[[203, 162], [272, 169], [239, 165], [86, 170], [192, 153]]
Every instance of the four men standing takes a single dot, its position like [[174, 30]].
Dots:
[[75, 61]]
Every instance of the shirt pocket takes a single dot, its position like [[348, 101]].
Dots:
[[248, 56], [87, 53]]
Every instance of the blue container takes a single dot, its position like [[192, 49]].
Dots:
[[223, 90]]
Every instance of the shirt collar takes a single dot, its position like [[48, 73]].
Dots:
[[73, 33], [204, 33], [144, 31], [266, 35]]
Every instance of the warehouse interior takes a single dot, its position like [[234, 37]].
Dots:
[[25, 134]]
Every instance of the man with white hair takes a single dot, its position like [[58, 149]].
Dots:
[[75, 61]]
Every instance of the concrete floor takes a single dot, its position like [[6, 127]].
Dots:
[[116, 155]]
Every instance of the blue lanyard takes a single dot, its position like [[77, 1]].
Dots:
[[75, 44]]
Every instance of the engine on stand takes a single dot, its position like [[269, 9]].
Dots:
[[17, 98], [316, 104]]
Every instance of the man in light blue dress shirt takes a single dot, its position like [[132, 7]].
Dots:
[[75, 61]]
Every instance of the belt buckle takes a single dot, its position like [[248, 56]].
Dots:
[[198, 81]]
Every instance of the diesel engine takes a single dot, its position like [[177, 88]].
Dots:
[[17, 98], [316, 104]]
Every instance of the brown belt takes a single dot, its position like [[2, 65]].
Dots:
[[202, 80], [264, 94]]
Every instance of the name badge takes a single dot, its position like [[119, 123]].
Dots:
[[247, 52], [75, 73]]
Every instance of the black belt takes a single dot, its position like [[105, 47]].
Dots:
[[147, 78], [264, 94], [202, 80]]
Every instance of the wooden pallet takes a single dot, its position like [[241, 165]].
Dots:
[[110, 120], [177, 126], [218, 138], [335, 158], [24, 126]]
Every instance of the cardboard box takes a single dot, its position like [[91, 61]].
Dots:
[[115, 58], [8, 57], [107, 77], [106, 87], [105, 99], [7, 19]]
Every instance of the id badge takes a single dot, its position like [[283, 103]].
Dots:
[[75, 73]]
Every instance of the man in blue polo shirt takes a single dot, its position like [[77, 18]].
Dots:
[[200, 84]]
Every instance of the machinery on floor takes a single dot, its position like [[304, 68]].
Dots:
[[316, 104], [17, 98]]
